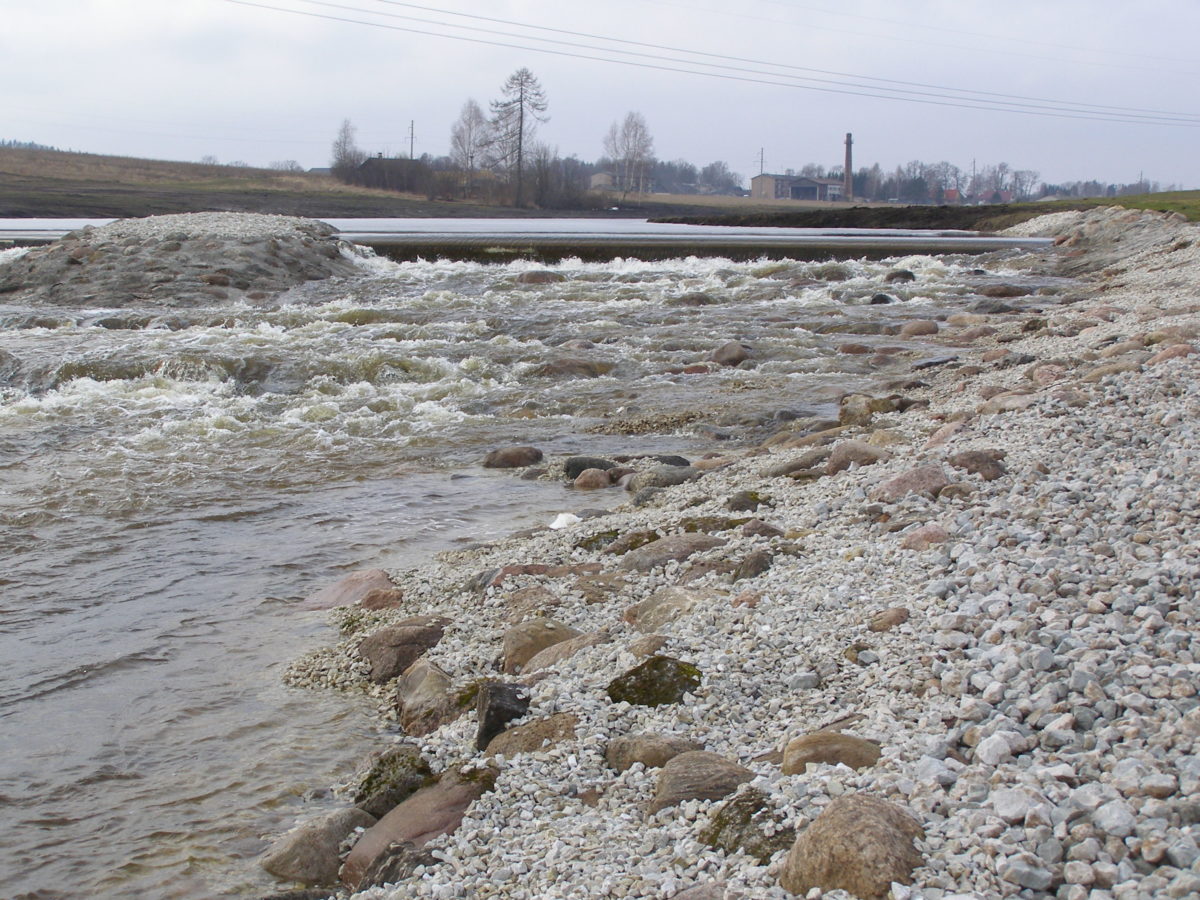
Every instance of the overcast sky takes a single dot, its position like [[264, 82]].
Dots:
[[184, 79]]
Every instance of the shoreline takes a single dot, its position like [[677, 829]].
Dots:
[[976, 701]]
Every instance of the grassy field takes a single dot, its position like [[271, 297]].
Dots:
[[51, 183]]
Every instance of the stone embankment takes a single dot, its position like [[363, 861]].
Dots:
[[193, 259], [944, 647]]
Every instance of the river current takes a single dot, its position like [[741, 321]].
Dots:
[[172, 482]]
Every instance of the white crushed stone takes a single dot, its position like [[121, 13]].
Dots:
[[222, 225], [1038, 711]]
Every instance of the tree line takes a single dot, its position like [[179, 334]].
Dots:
[[496, 157]]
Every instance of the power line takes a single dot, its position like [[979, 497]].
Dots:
[[947, 91], [1063, 110]]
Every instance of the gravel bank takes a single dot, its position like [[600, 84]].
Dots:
[[1034, 708], [182, 260]]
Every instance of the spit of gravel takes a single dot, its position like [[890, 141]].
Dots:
[[1037, 712]]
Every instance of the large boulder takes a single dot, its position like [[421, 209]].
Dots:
[[429, 813], [394, 776], [658, 681], [497, 704], [556, 653], [676, 547], [350, 589], [666, 605], [830, 747], [308, 854], [534, 736], [927, 479], [426, 699], [697, 775], [394, 648], [651, 750], [524, 641], [750, 823], [512, 458], [859, 844]]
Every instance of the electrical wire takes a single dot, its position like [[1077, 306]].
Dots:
[[735, 73]]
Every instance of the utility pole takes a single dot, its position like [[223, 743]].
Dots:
[[761, 157], [848, 174], [412, 138]]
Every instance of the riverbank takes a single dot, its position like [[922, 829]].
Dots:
[[977, 590]]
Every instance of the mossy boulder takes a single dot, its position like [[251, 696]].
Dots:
[[397, 774], [658, 681], [748, 823]]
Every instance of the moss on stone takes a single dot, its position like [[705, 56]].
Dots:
[[658, 681], [748, 823]]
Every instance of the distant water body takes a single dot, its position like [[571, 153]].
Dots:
[[173, 480]]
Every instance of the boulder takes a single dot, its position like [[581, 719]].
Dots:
[[592, 480], [830, 747], [575, 465], [662, 476], [524, 641], [697, 775], [730, 354], [847, 453], [429, 813], [350, 589], [308, 854], [987, 464], [425, 699], [534, 735], [857, 409], [556, 653], [889, 619], [497, 704], [919, 328], [752, 565], [647, 645], [666, 605], [658, 681], [573, 368], [394, 776], [927, 479], [748, 822], [651, 750], [534, 600], [899, 276], [394, 648], [859, 844], [394, 864], [677, 548], [381, 598], [924, 537], [541, 276], [512, 458]]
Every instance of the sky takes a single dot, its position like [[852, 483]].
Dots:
[[1072, 89]]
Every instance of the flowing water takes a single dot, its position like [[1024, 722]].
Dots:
[[172, 481]]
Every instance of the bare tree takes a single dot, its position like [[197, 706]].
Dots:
[[286, 165], [1023, 182], [514, 118], [468, 138], [631, 147], [346, 155], [719, 179]]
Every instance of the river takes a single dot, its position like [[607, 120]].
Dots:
[[175, 480]]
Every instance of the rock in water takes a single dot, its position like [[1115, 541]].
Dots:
[[858, 844], [512, 458], [309, 853]]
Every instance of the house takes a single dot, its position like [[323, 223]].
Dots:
[[608, 181], [393, 174], [795, 187]]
